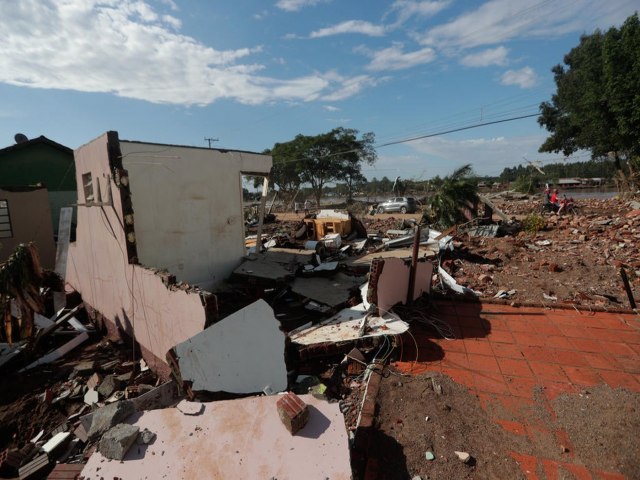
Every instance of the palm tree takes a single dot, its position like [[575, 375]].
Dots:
[[21, 277], [457, 191]]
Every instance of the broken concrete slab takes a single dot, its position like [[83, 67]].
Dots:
[[276, 265], [117, 441], [345, 326], [242, 353], [106, 417], [425, 251], [332, 291], [250, 442], [109, 384], [163, 396], [190, 408]]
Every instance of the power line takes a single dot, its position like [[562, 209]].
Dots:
[[420, 137], [459, 129]]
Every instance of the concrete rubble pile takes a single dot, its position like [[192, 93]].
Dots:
[[76, 399], [601, 241], [293, 356]]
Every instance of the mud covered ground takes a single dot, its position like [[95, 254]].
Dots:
[[601, 435]]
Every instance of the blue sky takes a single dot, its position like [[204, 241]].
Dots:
[[253, 73]]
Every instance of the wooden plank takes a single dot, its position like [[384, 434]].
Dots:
[[496, 210], [64, 235], [35, 466]]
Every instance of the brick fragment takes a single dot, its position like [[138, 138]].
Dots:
[[293, 412]]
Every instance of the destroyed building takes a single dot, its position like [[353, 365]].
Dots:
[[158, 226]]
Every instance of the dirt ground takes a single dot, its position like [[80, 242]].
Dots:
[[600, 435]]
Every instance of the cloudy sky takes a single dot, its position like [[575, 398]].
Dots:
[[253, 73]]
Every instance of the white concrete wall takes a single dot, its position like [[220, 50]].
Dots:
[[130, 296], [187, 205]]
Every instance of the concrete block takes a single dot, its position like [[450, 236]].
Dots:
[[293, 412], [116, 442], [109, 385], [190, 408], [108, 416], [146, 437]]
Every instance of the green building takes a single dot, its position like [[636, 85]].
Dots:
[[41, 161]]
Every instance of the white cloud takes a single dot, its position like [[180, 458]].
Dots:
[[350, 26], [171, 4], [331, 108], [498, 21], [488, 156], [523, 78], [127, 48], [349, 86], [491, 56], [296, 5], [394, 58], [410, 8]]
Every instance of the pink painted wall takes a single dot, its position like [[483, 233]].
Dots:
[[132, 297], [30, 217]]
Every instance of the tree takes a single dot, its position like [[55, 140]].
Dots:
[[285, 170], [357, 152], [597, 101], [457, 192], [320, 159]]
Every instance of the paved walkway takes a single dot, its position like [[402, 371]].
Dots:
[[504, 355]]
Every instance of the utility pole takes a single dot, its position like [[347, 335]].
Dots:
[[211, 140]]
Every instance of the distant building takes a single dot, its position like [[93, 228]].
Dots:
[[569, 182], [41, 162], [24, 218]]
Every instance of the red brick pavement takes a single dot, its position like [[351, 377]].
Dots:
[[502, 353]]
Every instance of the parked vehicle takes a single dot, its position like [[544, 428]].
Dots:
[[398, 204]]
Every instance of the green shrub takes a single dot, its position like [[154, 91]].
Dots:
[[534, 223]]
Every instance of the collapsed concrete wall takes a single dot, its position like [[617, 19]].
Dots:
[[104, 263]]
